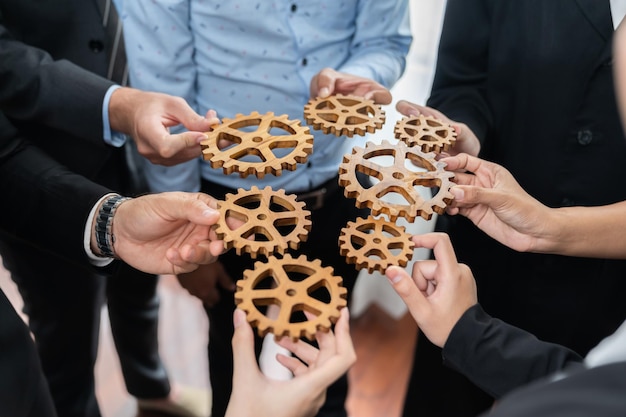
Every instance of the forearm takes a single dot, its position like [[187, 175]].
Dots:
[[499, 357], [594, 232]]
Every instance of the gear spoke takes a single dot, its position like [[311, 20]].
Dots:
[[343, 115]]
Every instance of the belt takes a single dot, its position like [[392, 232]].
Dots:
[[316, 198]]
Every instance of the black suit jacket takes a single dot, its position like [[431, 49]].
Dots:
[[530, 377], [533, 79], [43, 201]]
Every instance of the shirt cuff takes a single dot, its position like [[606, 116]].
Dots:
[[93, 258], [111, 137]]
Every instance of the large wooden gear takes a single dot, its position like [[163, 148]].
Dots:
[[396, 178], [257, 144], [294, 285], [344, 115], [275, 220], [375, 244], [427, 132]]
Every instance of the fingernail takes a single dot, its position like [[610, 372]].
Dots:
[[209, 212], [458, 193], [324, 92], [393, 275], [201, 137], [239, 317]]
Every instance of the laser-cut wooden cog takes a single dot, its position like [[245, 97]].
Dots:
[[396, 178], [344, 115], [427, 132], [277, 221], [375, 244], [291, 296], [252, 152]]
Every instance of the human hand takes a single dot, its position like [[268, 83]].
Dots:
[[148, 116], [256, 395], [466, 140], [166, 233], [491, 198], [439, 292], [203, 282], [329, 82]]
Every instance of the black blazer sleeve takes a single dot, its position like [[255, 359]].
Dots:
[[59, 94], [42, 201], [499, 357], [597, 392]]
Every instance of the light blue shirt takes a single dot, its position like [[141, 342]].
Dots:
[[242, 56]]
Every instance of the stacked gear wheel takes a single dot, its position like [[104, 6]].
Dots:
[[344, 115], [295, 286], [375, 244], [396, 177], [257, 144], [427, 132], [275, 220]]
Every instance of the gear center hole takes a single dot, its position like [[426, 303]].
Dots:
[[257, 139], [291, 292], [261, 216], [377, 240], [398, 175]]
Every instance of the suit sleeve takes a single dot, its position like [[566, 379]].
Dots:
[[597, 392], [42, 201], [462, 63], [58, 94], [499, 357]]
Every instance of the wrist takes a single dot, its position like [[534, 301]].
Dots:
[[121, 106], [103, 236]]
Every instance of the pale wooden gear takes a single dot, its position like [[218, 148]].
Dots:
[[252, 152], [375, 244], [396, 178], [275, 220], [296, 282], [427, 132], [344, 115]]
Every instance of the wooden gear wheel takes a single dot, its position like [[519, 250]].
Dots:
[[375, 244], [430, 134], [344, 115], [396, 178], [258, 144], [292, 296], [275, 220]]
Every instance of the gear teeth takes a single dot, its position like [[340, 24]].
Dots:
[[262, 219], [344, 115], [259, 143], [375, 249], [290, 296], [426, 132], [396, 178]]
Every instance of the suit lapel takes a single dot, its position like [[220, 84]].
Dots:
[[598, 14]]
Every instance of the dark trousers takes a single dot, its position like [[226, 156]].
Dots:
[[23, 388], [322, 244], [64, 302]]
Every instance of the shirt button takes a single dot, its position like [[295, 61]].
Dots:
[[96, 46], [294, 8], [304, 62], [585, 137]]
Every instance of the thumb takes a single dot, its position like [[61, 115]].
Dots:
[[244, 358], [470, 195], [406, 288], [194, 210], [186, 116]]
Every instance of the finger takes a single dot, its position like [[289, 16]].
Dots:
[[180, 111], [296, 367], [379, 96], [464, 162], [343, 339], [325, 82], [194, 208], [405, 287], [199, 254], [442, 250], [244, 359], [302, 350]]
